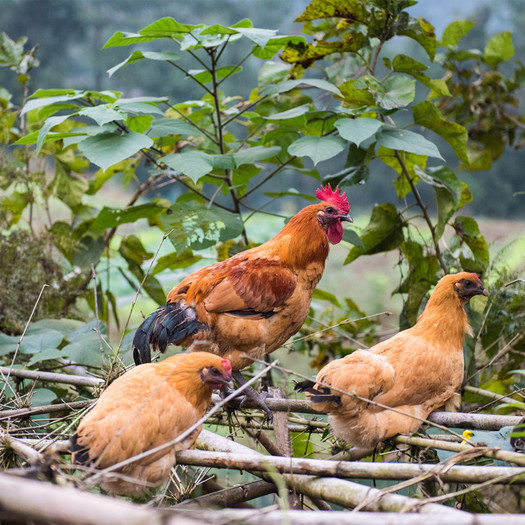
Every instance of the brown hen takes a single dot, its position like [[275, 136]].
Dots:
[[144, 408], [417, 371]]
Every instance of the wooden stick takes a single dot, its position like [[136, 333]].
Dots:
[[297, 517], [348, 469], [342, 492], [53, 377], [232, 496], [493, 453], [23, 499], [47, 409]]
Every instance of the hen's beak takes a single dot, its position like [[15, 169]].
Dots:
[[483, 291], [347, 218]]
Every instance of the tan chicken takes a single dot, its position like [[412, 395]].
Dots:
[[417, 371], [250, 304], [144, 408]]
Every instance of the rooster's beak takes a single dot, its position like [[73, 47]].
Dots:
[[347, 218]]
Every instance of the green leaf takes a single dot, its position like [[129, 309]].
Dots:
[[317, 148], [107, 149], [290, 113], [32, 344], [276, 44], [139, 123], [165, 127], [175, 261], [167, 28], [404, 140], [422, 272], [102, 114], [120, 38], [139, 55], [47, 101], [356, 94], [357, 130], [411, 162], [194, 164], [455, 31], [114, 217], [356, 169], [406, 64], [255, 154], [50, 123], [499, 49], [205, 76], [326, 296], [468, 230], [64, 326], [397, 92], [422, 32], [87, 251], [45, 355], [352, 237], [197, 227], [429, 116], [383, 233], [288, 85]]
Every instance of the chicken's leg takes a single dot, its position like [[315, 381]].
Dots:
[[250, 398]]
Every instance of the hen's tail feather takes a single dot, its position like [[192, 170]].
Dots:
[[80, 454], [319, 394], [168, 324]]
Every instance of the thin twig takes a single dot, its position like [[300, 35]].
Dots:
[[101, 344]]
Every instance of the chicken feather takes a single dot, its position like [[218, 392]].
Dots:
[[144, 408], [416, 371]]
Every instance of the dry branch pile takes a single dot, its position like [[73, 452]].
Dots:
[[254, 459]]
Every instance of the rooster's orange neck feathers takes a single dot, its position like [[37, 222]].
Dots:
[[302, 240]]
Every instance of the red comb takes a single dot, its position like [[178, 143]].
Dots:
[[475, 277], [333, 197], [227, 365]]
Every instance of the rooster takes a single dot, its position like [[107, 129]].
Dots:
[[145, 408], [249, 305], [416, 371]]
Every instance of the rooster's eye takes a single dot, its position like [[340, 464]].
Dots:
[[330, 209]]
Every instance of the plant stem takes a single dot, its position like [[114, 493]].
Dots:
[[424, 210]]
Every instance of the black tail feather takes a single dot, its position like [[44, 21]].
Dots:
[[318, 394], [169, 324], [80, 453]]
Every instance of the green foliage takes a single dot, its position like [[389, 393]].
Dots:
[[212, 154]]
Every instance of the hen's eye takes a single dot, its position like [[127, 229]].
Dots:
[[468, 283]]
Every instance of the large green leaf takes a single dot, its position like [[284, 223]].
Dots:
[[49, 100], [175, 261], [353, 10], [32, 344], [356, 94], [165, 127], [429, 116], [357, 130], [167, 28], [421, 276], [455, 31], [419, 30], [139, 55], [356, 169], [290, 113], [197, 227], [468, 231], [102, 114], [410, 161], [404, 140], [288, 85], [194, 164], [255, 154], [317, 148], [50, 123], [405, 64], [395, 92], [383, 233], [499, 49], [107, 149], [114, 217]]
